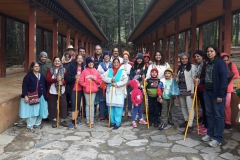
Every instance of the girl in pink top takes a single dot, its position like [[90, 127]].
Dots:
[[90, 74]]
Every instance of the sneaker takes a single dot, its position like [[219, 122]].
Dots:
[[64, 124], [184, 124], [123, 113], [37, 127], [228, 126], [203, 131], [30, 130], [162, 126], [214, 143], [206, 138], [129, 114], [134, 124], [71, 126], [171, 122], [142, 121], [54, 124], [190, 129]]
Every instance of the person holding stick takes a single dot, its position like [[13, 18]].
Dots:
[[73, 75], [90, 79], [214, 95], [55, 78], [185, 78], [116, 78]]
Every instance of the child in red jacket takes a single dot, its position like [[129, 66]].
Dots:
[[136, 98]]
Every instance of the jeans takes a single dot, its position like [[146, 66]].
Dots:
[[128, 100], [186, 105], [201, 99], [33, 121], [115, 115], [87, 97], [137, 109], [215, 116]]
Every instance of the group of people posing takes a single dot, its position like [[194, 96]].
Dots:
[[113, 82]]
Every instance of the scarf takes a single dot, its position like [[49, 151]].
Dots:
[[64, 60], [104, 67], [40, 62], [198, 71], [56, 73], [115, 73]]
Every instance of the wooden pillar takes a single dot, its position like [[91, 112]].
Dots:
[[32, 33], [186, 41], [157, 44], [55, 38], [164, 40], [87, 51], [3, 47], [200, 41], [176, 45], [82, 40], [220, 43], [26, 54], [227, 23], [62, 46], [193, 31], [169, 52], [42, 40], [90, 46], [68, 36], [76, 42]]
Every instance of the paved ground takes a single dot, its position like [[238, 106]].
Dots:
[[125, 143]]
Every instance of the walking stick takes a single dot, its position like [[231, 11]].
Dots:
[[197, 111], [75, 114], [90, 125], [58, 105], [145, 99], [110, 108], [126, 113], [190, 115]]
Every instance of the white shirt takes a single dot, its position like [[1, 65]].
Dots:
[[53, 89], [120, 59], [127, 67]]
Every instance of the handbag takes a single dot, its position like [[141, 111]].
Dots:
[[33, 96], [174, 89]]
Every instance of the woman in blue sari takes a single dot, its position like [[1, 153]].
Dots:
[[116, 80]]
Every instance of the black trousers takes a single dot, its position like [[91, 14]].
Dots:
[[154, 108], [201, 99]]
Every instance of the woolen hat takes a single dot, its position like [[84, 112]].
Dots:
[[88, 60], [43, 53], [126, 53], [139, 56], [147, 55], [184, 54], [156, 70], [106, 53]]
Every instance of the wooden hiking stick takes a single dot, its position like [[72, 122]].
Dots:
[[190, 115], [110, 108], [197, 111], [145, 99], [58, 105], [75, 114], [90, 125], [82, 108]]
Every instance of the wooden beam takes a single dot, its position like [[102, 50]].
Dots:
[[193, 31], [176, 45], [165, 40], [32, 33], [26, 54], [3, 47], [200, 41], [55, 38]]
